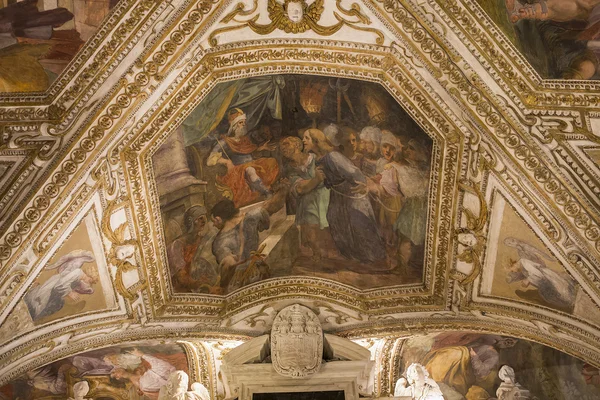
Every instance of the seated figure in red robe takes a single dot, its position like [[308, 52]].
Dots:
[[246, 177]]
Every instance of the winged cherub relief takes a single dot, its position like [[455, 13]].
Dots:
[[295, 16]]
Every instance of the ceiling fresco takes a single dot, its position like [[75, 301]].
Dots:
[[41, 37], [133, 371], [422, 175], [520, 267], [70, 282], [558, 38], [294, 175], [465, 365]]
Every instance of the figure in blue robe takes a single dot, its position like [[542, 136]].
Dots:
[[350, 214]]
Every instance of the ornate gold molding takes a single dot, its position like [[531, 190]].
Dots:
[[128, 96], [306, 18], [224, 63], [473, 237], [113, 149], [485, 41]]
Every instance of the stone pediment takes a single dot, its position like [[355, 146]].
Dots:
[[512, 182], [264, 365]]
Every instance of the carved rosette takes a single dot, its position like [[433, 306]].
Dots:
[[296, 342]]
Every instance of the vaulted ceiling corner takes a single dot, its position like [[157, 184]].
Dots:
[[256, 199]]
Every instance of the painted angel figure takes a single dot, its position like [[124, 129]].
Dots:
[[557, 289], [71, 280], [528, 251]]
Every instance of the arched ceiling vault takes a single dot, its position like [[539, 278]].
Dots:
[[512, 152]]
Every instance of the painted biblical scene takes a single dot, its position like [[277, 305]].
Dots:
[[38, 39], [135, 372], [559, 38], [520, 267], [294, 175], [73, 281], [473, 366]]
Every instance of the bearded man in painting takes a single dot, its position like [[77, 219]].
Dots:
[[146, 372], [246, 177]]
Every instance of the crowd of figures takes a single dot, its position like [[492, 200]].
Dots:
[[359, 196]]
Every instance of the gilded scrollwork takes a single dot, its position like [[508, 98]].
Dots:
[[511, 135], [295, 16], [118, 102], [258, 318], [338, 316], [122, 251], [468, 21], [472, 237]]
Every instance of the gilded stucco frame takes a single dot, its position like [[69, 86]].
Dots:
[[110, 151]]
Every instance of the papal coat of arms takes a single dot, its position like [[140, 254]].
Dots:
[[296, 342]]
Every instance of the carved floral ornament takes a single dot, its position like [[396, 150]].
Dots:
[[366, 63], [142, 77], [349, 297]]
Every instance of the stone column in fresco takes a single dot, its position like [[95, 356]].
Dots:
[[177, 187]]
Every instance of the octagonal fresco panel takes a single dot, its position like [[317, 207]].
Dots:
[[133, 371], [293, 175], [38, 39], [559, 38]]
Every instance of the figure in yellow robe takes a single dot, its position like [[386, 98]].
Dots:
[[468, 363]]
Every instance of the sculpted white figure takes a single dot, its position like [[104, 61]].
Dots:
[[177, 389], [199, 392], [509, 388], [80, 389], [418, 385], [295, 11]]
